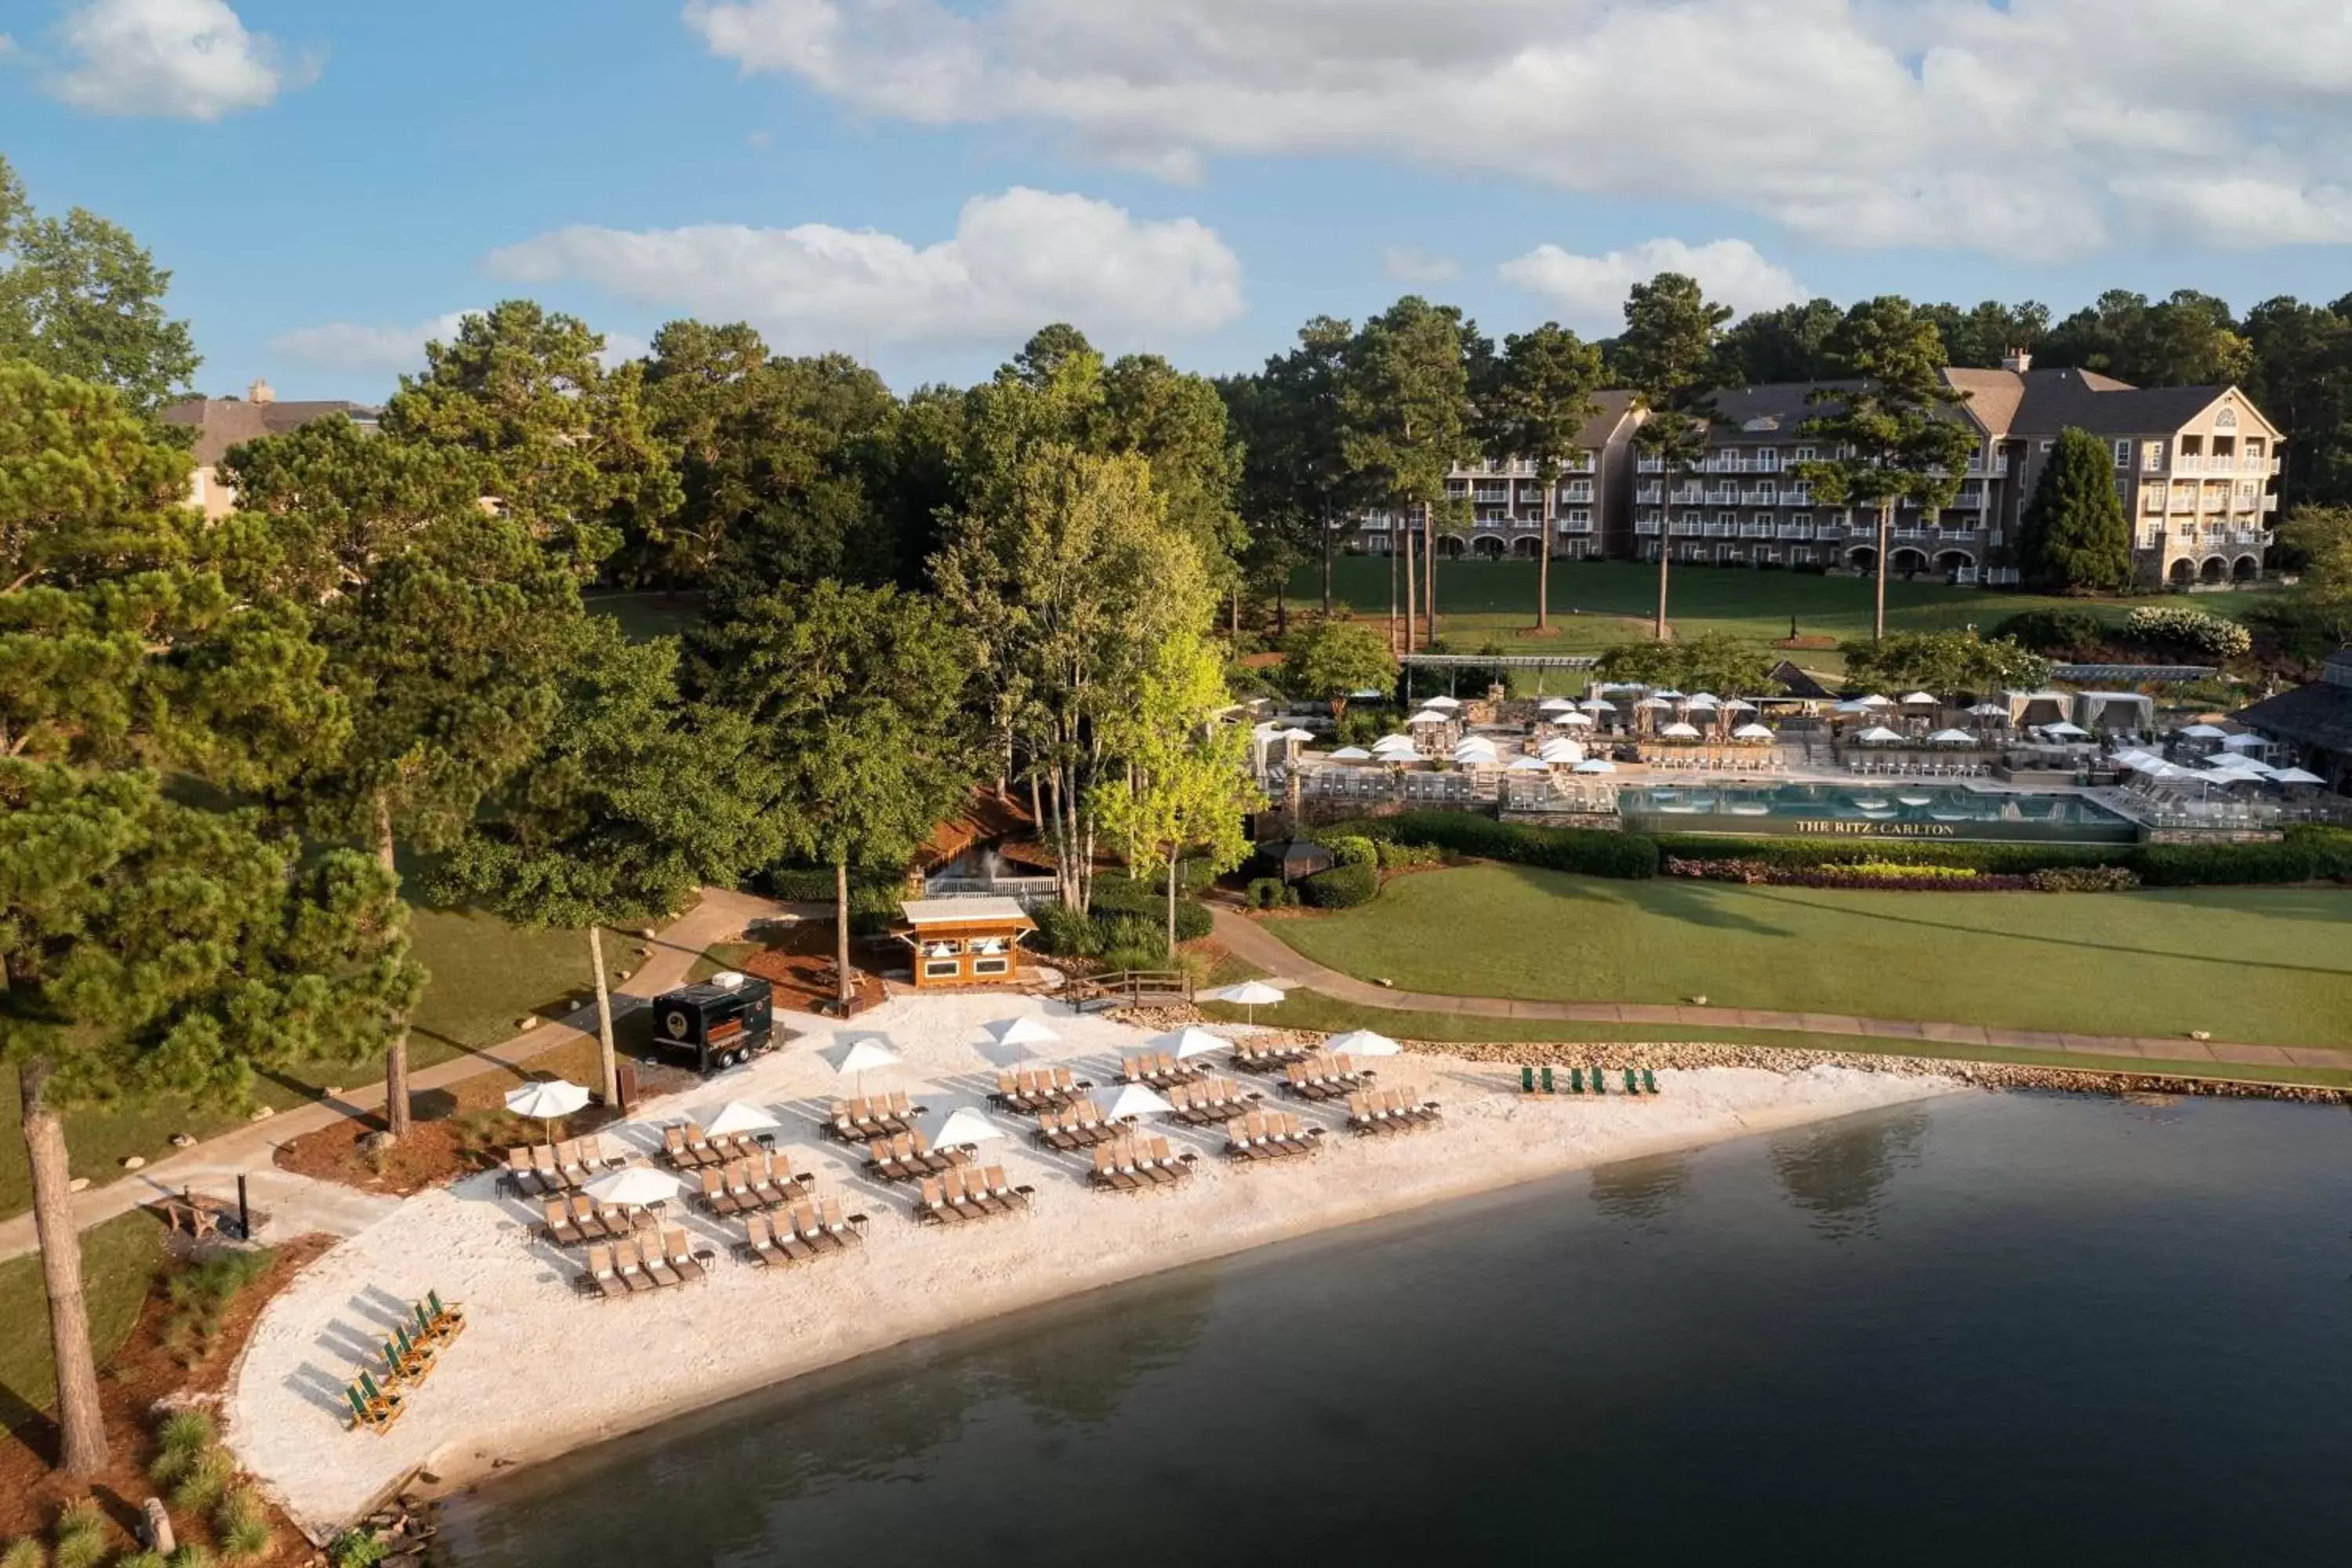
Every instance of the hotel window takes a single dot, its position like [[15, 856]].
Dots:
[[1579, 520], [2151, 457], [2155, 539], [1727, 519], [2123, 453], [1806, 455], [1767, 459], [1801, 556]]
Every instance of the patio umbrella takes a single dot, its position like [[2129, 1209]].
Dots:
[[1192, 1040], [1874, 701], [735, 1118], [1295, 735], [1951, 738], [1394, 743], [1425, 717], [1574, 719], [1250, 993], [1597, 705], [1680, 731], [1474, 754], [1752, 733], [1351, 754], [1362, 1043], [2242, 741], [964, 1125], [2061, 728], [855, 1058], [1667, 691], [1022, 1032], [633, 1187], [1530, 765], [1918, 699], [1445, 702], [1849, 706], [1594, 766], [1653, 703], [1738, 705], [1556, 705], [2295, 776], [1561, 751], [2206, 733], [1877, 735], [546, 1101], [1989, 711], [1704, 699], [1135, 1100]]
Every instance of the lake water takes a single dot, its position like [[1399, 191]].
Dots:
[[2010, 1328]]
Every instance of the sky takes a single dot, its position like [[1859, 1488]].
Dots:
[[922, 182]]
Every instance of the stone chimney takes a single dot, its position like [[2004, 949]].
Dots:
[[260, 391], [2018, 360]]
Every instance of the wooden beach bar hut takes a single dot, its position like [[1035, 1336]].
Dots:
[[963, 941]]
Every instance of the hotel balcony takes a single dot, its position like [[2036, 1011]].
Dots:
[[1652, 494], [1760, 498], [1575, 526], [1649, 527]]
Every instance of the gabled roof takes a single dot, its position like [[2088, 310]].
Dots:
[[2319, 714], [2053, 400], [221, 423], [1616, 410], [1772, 415]]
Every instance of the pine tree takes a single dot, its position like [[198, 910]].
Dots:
[[1669, 355], [2073, 537], [1534, 408]]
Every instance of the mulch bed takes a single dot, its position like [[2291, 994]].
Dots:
[[796, 958], [144, 1373]]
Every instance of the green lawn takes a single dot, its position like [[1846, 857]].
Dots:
[[119, 1259], [2269, 967], [1478, 599], [484, 975]]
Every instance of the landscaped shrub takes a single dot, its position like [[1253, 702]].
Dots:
[[1270, 893], [1120, 958], [2305, 854], [1395, 856], [1992, 859], [1342, 887], [81, 1536], [361, 1548], [2055, 631], [1352, 850], [1866, 874], [1125, 896], [2178, 625], [2083, 879], [244, 1526], [1624, 855], [1064, 933]]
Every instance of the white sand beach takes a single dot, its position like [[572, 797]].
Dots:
[[540, 1368]]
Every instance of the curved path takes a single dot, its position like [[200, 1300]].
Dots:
[[1253, 944]]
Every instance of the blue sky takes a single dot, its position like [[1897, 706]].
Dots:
[[921, 184]]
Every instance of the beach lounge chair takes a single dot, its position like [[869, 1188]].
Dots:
[[849, 1229], [682, 1257], [442, 1324], [520, 1177], [632, 1272], [596, 1157], [1649, 1081], [1599, 1084], [657, 1264], [1178, 1165], [1576, 1080], [1108, 1175], [542, 1164], [1548, 1088], [1003, 1191], [933, 1205], [559, 1228], [569, 1160], [1632, 1084], [600, 1278], [1053, 1134], [715, 1195], [376, 1414], [1527, 1080], [758, 1245], [773, 1188], [675, 1152]]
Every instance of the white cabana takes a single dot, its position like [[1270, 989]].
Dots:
[[2037, 707], [1134, 1102], [2114, 710], [633, 1187], [1022, 1032], [1680, 731], [1752, 733], [1877, 735], [1362, 1043], [1594, 766], [547, 1101], [1952, 738], [734, 1119], [1351, 754], [965, 1124], [1192, 1040]]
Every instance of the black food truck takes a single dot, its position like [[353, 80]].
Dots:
[[716, 1023]]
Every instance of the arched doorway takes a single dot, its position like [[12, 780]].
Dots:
[[1862, 558], [1449, 547], [1952, 563], [2215, 570], [2182, 573], [1908, 562], [1486, 547], [2247, 569], [1525, 549]]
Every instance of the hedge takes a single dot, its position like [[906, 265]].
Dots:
[[1803, 854], [1342, 887], [1625, 855]]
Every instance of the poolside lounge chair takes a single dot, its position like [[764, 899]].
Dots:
[[849, 1229], [758, 1245], [521, 1177], [1053, 1134], [933, 1205], [682, 1257], [596, 1157], [774, 1187], [632, 1272], [543, 1166], [715, 1195], [657, 1264], [602, 1278], [1110, 1174], [1261, 1056], [1003, 1191], [560, 1228]]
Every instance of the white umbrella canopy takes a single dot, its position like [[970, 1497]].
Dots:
[[1476, 752], [1136, 1100], [1989, 711], [2206, 733], [2242, 741], [1561, 751], [1427, 717], [1877, 735], [964, 1125], [2295, 776], [1394, 743], [547, 1100], [1594, 766], [1556, 705], [1738, 705], [1022, 1032], [735, 1118], [1951, 737], [1295, 735], [1681, 732], [1192, 1040], [1530, 765], [1362, 1043], [635, 1187], [1752, 733], [1575, 719], [1351, 754], [1918, 699], [860, 1054], [1704, 699], [1248, 993], [1597, 705], [1445, 702], [1667, 691], [1849, 706], [1874, 701], [1654, 703], [2064, 729]]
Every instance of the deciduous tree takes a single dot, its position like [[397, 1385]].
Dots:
[[2322, 537], [1337, 658], [1944, 664]]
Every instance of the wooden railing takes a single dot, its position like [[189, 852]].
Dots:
[[1131, 988]]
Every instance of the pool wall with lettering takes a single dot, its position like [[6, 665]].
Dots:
[[1980, 831], [1926, 813]]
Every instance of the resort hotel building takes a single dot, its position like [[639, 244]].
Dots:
[[2194, 467]]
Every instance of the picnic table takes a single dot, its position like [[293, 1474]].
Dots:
[[202, 1216]]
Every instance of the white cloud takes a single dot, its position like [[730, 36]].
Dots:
[[361, 350], [1409, 264], [1016, 261], [1590, 290], [2013, 126], [180, 59]]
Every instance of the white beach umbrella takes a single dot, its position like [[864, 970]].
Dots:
[[2242, 741], [2206, 733], [735, 1118], [1989, 711], [1667, 691], [1445, 702], [2062, 727], [1680, 731], [1362, 1043], [1654, 703], [1351, 754], [1394, 743], [1134, 1100], [1849, 706], [1022, 1032], [1752, 733], [1248, 993], [1597, 705], [858, 1054], [1918, 699], [1192, 1040], [1556, 705], [1561, 751], [2295, 776], [634, 1187], [1594, 766], [1874, 701], [1577, 721], [1951, 738], [1530, 765], [1738, 705], [2255, 765], [1426, 717], [1476, 754], [1704, 699], [1295, 735], [1877, 735], [546, 1101], [964, 1125]]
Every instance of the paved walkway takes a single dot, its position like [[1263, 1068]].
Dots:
[[301, 1203], [1251, 943]]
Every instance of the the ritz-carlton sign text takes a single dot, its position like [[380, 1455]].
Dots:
[[1881, 830]]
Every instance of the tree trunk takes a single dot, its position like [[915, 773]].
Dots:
[[1428, 575], [1173, 858], [1411, 590], [1543, 562], [1237, 614], [841, 935], [83, 1451], [1665, 544], [1327, 563], [1392, 591], [607, 1056], [1885, 538], [1281, 607], [395, 1057]]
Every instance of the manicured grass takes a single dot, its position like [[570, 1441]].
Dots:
[[2265, 966], [118, 1260], [1479, 599], [484, 975]]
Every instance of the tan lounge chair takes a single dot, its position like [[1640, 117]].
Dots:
[[601, 1279], [681, 1256]]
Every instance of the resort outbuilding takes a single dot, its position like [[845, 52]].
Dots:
[[2313, 724], [963, 942]]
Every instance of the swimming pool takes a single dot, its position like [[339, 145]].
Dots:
[[1895, 809]]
